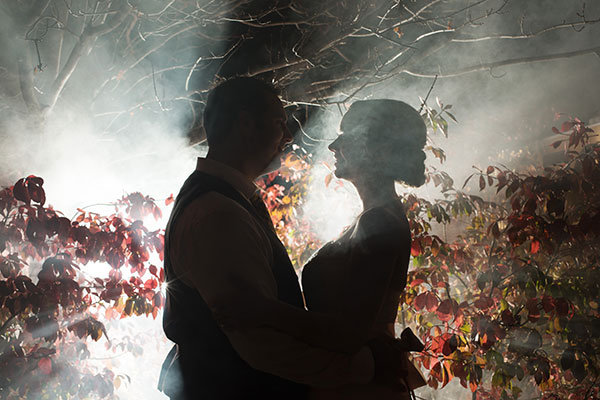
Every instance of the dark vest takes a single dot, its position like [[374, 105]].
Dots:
[[209, 366]]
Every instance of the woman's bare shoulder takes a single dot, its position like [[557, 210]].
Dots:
[[382, 221]]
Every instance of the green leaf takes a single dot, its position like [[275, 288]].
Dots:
[[466, 328], [516, 391], [498, 379]]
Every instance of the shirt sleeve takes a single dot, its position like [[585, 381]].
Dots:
[[226, 256]]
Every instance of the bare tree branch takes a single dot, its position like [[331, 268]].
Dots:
[[81, 47], [26, 84], [496, 64], [318, 52], [573, 25]]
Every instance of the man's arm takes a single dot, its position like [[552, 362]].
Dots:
[[225, 256]]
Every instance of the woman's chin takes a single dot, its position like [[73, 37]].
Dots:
[[340, 171], [340, 174]]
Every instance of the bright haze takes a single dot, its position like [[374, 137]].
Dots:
[[103, 98]]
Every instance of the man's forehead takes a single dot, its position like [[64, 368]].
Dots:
[[275, 104]]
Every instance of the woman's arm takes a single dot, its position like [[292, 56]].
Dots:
[[379, 249], [365, 281], [318, 329], [333, 332]]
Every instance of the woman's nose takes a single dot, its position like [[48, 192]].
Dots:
[[333, 146]]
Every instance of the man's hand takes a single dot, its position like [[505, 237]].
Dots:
[[390, 361], [409, 341]]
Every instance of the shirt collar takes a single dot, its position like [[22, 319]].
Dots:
[[230, 175]]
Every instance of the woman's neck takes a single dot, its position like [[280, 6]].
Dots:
[[375, 192]]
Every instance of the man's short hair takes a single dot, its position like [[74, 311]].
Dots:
[[227, 99]]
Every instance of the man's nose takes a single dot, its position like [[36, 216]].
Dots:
[[287, 136]]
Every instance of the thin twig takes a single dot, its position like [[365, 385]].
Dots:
[[155, 90], [428, 93]]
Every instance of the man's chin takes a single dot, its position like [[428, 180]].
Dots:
[[273, 166]]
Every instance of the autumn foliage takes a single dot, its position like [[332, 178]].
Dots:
[[508, 305], [513, 301], [52, 299]]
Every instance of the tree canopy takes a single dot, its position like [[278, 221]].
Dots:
[[507, 304]]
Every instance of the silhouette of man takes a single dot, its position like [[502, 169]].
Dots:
[[221, 249]]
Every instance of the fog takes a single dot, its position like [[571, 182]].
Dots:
[[106, 137]]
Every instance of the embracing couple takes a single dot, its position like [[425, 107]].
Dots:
[[242, 326]]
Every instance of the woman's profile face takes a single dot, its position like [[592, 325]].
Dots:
[[349, 150], [380, 138]]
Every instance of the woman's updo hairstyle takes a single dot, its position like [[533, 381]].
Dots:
[[396, 135]]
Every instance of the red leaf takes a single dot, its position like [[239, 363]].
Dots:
[[169, 199], [36, 191], [557, 143], [436, 371], [150, 284], [35, 179], [111, 293], [156, 212], [459, 319], [490, 169], [416, 282], [128, 289], [566, 126], [426, 362], [415, 248], [450, 345], [533, 308], [445, 310], [547, 303], [20, 191], [555, 130], [481, 183], [562, 307], [153, 270], [45, 365], [502, 180], [115, 274], [420, 301], [483, 303], [535, 246], [115, 258], [431, 302], [473, 385], [507, 318]]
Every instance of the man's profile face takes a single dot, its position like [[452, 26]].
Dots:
[[272, 134]]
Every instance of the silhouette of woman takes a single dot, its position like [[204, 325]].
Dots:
[[360, 276]]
